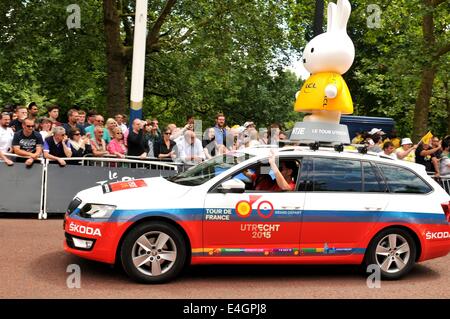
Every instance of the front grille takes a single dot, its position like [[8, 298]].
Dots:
[[73, 205]]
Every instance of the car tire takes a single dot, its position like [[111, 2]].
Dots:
[[153, 253], [394, 251]]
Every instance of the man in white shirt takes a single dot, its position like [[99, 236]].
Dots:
[[6, 137], [190, 149], [388, 150], [120, 119]]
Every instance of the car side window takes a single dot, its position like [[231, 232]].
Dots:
[[402, 180], [336, 175], [249, 174], [261, 178], [372, 181]]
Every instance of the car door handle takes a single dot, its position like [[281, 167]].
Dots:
[[373, 208], [291, 207]]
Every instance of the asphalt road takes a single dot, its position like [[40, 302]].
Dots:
[[33, 265]]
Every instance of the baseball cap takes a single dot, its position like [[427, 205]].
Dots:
[[376, 131]]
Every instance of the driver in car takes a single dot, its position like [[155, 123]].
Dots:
[[284, 176]]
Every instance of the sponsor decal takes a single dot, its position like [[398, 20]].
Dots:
[[264, 209], [114, 177], [343, 250], [274, 252], [326, 250], [244, 208], [218, 214], [437, 235], [84, 230], [239, 252], [120, 186], [260, 231], [286, 251]]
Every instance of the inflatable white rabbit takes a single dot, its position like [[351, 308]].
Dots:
[[325, 93]]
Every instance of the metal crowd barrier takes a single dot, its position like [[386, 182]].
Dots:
[[131, 161], [15, 156], [58, 185], [22, 188], [444, 181]]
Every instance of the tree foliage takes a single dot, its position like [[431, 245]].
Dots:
[[42, 60], [206, 56]]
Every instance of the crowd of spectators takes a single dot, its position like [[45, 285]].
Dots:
[[432, 152], [24, 133], [29, 136]]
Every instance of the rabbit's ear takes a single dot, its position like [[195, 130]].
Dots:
[[343, 14], [331, 16]]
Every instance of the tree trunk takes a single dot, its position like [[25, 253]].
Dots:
[[116, 97], [422, 109], [447, 103], [318, 18]]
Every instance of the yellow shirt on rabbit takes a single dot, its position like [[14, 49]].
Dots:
[[312, 95]]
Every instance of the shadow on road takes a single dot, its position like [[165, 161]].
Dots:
[[52, 267], [298, 272]]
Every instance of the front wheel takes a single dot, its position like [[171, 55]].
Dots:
[[153, 252], [394, 251]]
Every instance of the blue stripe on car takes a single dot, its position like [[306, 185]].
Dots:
[[307, 216]]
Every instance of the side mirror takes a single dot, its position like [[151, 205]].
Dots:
[[232, 186]]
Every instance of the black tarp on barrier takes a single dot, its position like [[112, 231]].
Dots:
[[64, 182], [20, 188]]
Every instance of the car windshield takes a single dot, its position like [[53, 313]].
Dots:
[[209, 169]]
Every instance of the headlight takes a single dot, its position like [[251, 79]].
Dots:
[[97, 211], [73, 205]]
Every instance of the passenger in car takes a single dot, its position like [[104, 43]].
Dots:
[[284, 177]]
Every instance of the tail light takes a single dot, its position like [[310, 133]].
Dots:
[[446, 209]]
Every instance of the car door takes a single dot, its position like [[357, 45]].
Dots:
[[343, 201], [408, 193], [254, 222]]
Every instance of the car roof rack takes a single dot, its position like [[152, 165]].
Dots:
[[320, 146]]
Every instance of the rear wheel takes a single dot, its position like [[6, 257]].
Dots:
[[153, 252], [394, 251]]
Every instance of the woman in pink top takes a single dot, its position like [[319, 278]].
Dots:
[[116, 146]]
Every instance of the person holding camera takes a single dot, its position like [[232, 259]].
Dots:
[[80, 145], [152, 136], [164, 149]]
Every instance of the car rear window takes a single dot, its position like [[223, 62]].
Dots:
[[336, 175], [402, 180]]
